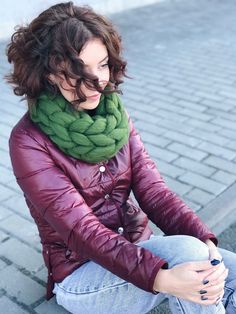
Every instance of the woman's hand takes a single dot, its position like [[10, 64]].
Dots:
[[220, 270], [191, 281], [213, 251]]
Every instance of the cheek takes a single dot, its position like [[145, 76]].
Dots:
[[108, 74], [66, 85], [67, 95]]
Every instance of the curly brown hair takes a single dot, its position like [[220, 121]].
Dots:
[[51, 43]]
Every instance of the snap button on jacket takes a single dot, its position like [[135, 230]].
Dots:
[[78, 222]]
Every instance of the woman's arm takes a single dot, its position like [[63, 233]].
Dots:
[[161, 205], [53, 195]]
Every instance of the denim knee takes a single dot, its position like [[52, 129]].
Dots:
[[190, 249]]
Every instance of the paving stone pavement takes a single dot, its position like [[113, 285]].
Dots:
[[182, 98]]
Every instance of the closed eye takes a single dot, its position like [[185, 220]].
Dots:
[[104, 65]]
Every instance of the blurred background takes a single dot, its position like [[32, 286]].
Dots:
[[15, 12]]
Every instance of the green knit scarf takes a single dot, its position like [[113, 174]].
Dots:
[[89, 138]]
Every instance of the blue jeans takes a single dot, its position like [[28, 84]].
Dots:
[[93, 289]]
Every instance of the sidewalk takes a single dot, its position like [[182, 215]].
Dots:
[[182, 98]]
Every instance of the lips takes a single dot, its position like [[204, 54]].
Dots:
[[93, 95], [96, 96]]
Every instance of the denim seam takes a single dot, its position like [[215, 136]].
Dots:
[[180, 305], [229, 296], [94, 291]]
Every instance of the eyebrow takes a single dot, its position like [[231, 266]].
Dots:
[[104, 59], [99, 61]]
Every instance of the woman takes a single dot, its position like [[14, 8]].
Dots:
[[76, 155]]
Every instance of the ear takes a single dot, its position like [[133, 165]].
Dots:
[[52, 79]]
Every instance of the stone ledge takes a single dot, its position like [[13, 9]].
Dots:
[[220, 213]]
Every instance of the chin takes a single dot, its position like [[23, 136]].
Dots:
[[91, 105]]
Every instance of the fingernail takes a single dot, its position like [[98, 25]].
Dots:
[[203, 298], [205, 281], [215, 262], [202, 291]]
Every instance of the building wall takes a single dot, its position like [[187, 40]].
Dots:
[[13, 12]]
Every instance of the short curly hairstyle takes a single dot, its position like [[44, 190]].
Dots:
[[52, 42]]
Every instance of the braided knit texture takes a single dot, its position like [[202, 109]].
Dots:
[[89, 138]]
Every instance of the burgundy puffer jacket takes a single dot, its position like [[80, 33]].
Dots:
[[83, 211]]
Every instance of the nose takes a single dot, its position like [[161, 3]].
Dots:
[[102, 79]]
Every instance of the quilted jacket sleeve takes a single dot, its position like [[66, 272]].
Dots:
[[57, 200], [162, 206]]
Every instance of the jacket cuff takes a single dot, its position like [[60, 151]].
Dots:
[[162, 264], [211, 237]]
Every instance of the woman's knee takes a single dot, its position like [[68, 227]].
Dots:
[[177, 249], [191, 249]]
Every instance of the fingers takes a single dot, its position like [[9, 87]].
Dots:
[[213, 292], [214, 253], [209, 299], [218, 275], [199, 265]]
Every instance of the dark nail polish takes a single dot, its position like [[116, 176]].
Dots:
[[215, 262], [205, 281], [202, 291], [203, 298]]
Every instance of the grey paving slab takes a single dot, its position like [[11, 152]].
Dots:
[[158, 130], [221, 163], [9, 307], [5, 192], [217, 150], [182, 138], [161, 153], [3, 143], [184, 150], [169, 169], [178, 187], [42, 274], [217, 105], [3, 236], [199, 196], [50, 307], [203, 183], [231, 145], [2, 264], [5, 159], [6, 175], [12, 184], [22, 255], [209, 137], [230, 134], [25, 231], [153, 139], [17, 205], [187, 103], [4, 212], [20, 286], [220, 113], [224, 177], [194, 206], [194, 166], [198, 124]]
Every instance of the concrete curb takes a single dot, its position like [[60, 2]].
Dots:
[[221, 212]]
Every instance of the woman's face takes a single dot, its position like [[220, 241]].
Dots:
[[95, 57]]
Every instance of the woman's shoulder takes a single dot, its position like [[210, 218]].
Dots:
[[25, 130]]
